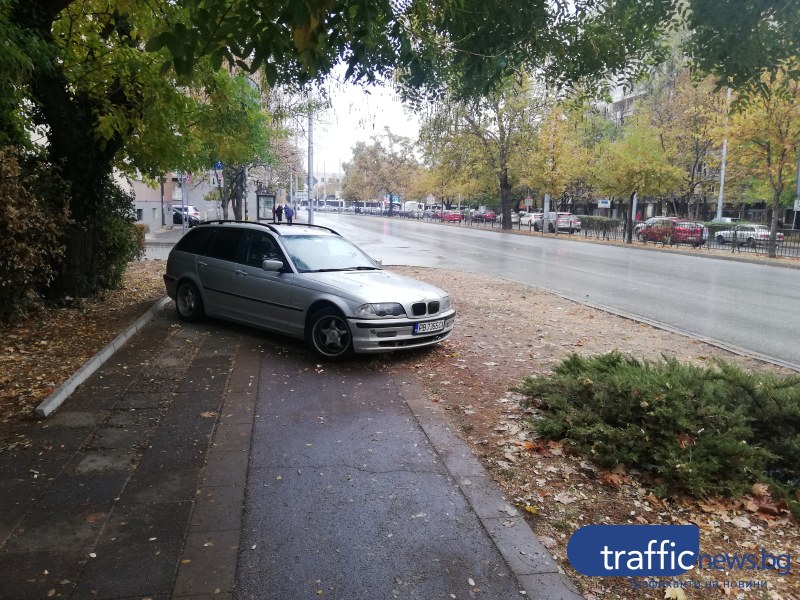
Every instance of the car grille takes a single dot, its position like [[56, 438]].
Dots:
[[421, 308]]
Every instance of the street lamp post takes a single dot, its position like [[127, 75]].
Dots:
[[310, 165]]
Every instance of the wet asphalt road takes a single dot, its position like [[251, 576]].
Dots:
[[744, 307]]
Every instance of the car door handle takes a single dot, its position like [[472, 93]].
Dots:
[[240, 272], [200, 263]]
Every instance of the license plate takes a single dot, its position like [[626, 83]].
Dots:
[[428, 327]]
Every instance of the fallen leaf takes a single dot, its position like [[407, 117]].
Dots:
[[675, 594], [742, 522], [612, 479]]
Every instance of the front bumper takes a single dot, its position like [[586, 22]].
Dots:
[[372, 335]]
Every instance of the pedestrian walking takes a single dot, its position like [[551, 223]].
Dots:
[[279, 213], [288, 212]]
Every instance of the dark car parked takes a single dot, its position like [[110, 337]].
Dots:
[[192, 215]]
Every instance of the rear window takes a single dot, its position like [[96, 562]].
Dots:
[[196, 241]]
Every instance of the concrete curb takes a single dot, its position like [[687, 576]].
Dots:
[[62, 392], [535, 569]]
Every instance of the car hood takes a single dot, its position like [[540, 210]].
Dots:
[[376, 286]]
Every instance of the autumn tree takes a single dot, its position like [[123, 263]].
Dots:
[[687, 114], [490, 131], [386, 166], [558, 161], [635, 164], [455, 164], [764, 140]]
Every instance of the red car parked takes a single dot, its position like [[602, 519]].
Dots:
[[668, 231], [451, 215]]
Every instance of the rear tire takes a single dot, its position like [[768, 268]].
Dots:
[[329, 335], [720, 240], [188, 302]]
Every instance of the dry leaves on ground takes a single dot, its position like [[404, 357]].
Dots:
[[40, 352]]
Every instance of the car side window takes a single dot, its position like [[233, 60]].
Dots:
[[226, 244], [196, 241], [261, 247]]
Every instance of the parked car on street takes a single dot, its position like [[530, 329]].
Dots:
[[514, 217], [192, 215], [725, 220], [669, 231], [649, 223], [451, 215], [527, 219], [306, 282], [563, 221], [747, 235]]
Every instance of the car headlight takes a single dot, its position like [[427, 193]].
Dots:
[[379, 310], [445, 304]]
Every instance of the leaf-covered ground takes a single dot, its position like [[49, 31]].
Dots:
[[504, 332], [41, 351]]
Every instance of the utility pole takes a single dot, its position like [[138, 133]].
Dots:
[[310, 164]]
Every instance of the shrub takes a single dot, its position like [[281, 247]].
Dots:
[[30, 231], [700, 430], [120, 240]]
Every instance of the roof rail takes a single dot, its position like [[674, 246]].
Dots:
[[271, 226]]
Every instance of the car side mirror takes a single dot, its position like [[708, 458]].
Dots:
[[272, 265]]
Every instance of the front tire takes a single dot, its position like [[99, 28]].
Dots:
[[329, 335], [720, 240], [188, 302]]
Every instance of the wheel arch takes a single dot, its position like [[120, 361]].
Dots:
[[320, 304]]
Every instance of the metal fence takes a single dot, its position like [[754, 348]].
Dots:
[[613, 231]]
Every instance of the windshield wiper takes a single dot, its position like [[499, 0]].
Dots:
[[346, 269]]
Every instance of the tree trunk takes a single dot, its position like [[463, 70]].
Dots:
[[629, 220], [772, 244], [505, 197], [72, 146]]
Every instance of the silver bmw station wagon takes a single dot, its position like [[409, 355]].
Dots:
[[304, 281]]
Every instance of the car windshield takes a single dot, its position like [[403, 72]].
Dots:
[[315, 253]]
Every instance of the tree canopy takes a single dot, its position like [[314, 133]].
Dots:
[[469, 46]]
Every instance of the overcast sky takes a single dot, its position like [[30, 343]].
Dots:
[[356, 115]]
